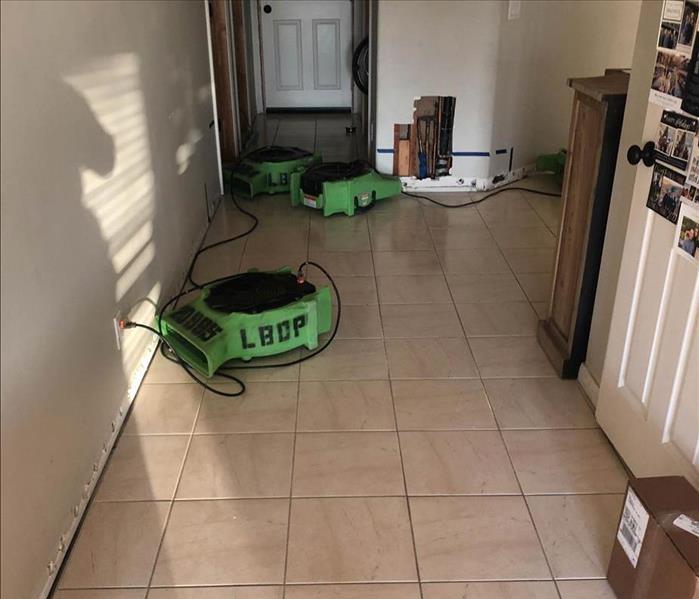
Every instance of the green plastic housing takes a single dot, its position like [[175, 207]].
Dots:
[[347, 195], [205, 338], [250, 178]]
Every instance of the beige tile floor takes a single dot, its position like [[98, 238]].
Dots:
[[429, 453]]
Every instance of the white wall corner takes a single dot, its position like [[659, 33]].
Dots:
[[588, 383]]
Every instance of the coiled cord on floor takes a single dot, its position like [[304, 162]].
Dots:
[[170, 354]]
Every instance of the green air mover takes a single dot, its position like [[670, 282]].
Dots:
[[267, 170], [341, 187], [249, 315]]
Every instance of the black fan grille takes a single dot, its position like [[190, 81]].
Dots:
[[254, 292], [277, 154], [313, 178]]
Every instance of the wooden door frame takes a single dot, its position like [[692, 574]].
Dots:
[[224, 83], [239, 69]]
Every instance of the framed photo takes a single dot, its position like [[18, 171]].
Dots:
[[687, 233], [687, 26], [665, 193], [669, 79], [675, 139]]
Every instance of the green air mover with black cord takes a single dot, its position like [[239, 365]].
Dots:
[[341, 187], [267, 170], [256, 314], [249, 315]]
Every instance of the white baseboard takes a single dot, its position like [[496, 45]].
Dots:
[[589, 384]]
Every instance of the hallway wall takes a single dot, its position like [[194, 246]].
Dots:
[[107, 157], [509, 77]]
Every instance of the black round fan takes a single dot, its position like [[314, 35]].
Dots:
[[277, 154], [254, 292], [360, 66], [313, 178]]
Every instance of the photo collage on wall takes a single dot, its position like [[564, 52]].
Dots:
[[687, 232], [676, 173]]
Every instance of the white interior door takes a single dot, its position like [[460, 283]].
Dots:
[[649, 394], [307, 53]]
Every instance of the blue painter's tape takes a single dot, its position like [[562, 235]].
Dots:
[[468, 154]]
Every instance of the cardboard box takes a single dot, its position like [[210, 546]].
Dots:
[[654, 556]]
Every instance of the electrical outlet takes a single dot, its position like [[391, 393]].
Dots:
[[118, 331]]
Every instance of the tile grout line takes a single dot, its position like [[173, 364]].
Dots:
[[502, 250], [291, 486], [223, 585], [451, 295], [524, 499], [395, 422], [293, 445], [502, 438], [373, 495], [174, 493]]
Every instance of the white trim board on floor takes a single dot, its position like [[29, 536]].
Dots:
[[588, 383], [455, 183]]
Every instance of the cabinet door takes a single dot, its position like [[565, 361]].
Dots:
[[587, 126]]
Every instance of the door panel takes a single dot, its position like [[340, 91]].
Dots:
[[649, 395], [681, 427], [307, 53], [288, 55], [651, 281], [326, 54]]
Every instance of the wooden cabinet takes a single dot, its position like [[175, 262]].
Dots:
[[598, 111]]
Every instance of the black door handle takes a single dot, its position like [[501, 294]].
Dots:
[[635, 154]]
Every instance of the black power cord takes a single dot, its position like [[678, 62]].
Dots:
[[479, 200], [184, 365], [169, 353], [206, 248], [173, 357]]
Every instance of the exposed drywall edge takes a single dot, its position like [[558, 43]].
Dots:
[[256, 58], [66, 539], [451, 183], [217, 133], [589, 384]]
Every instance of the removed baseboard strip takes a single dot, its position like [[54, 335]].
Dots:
[[64, 543], [589, 384], [454, 183]]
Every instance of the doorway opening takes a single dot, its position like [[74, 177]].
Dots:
[[274, 59]]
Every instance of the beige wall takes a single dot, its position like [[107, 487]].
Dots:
[[106, 149], [509, 77]]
